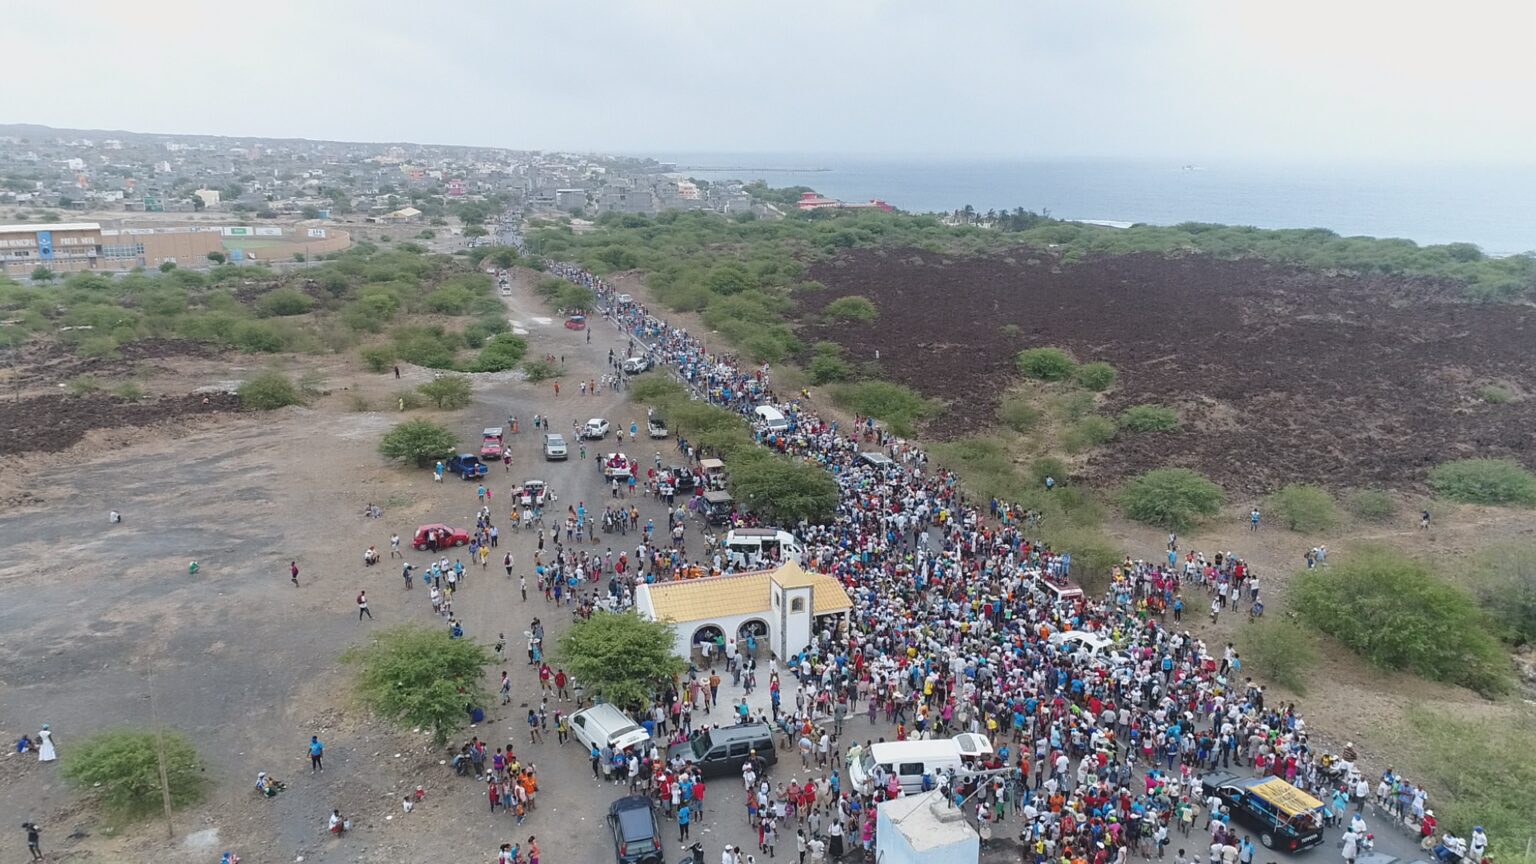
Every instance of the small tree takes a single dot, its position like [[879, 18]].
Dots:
[[269, 391], [785, 490], [122, 767], [1372, 505], [620, 657], [448, 392], [418, 441], [167, 266], [1045, 364], [42, 274], [378, 358], [540, 370], [474, 231], [421, 677], [1172, 498], [216, 257]]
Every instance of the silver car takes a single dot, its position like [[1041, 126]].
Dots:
[[554, 447]]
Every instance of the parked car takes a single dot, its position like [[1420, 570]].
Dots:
[[655, 426], [535, 493], [554, 447], [625, 298], [604, 725], [467, 465], [722, 750], [636, 365], [444, 535], [491, 441], [636, 833], [615, 465], [1286, 818], [595, 429], [576, 322], [682, 479]]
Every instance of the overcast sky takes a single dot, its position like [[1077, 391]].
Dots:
[[1300, 80]]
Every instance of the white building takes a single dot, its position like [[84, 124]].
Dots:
[[924, 829], [209, 197], [783, 608]]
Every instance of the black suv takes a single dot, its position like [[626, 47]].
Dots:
[[636, 836]]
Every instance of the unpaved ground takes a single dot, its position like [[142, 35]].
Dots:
[[245, 663], [1282, 376]]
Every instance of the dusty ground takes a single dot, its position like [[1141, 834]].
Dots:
[[245, 663], [1281, 376]]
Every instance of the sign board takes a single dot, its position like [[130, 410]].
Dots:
[[325, 214], [45, 245], [236, 255], [317, 232], [238, 231], [268, 231]]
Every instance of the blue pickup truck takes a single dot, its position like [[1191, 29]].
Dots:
[[467, 465]]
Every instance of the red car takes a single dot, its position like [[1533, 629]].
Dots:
[[576, 322], [444, 536]]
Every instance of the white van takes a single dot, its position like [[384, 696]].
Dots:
[[606, 725], [910, 760], [771, 417], [756, 547]]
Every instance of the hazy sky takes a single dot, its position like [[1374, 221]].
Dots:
[[1299, 80]]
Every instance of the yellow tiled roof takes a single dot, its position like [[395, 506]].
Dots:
[[742, 594], [716, 597]]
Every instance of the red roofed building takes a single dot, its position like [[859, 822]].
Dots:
[[813, 201]]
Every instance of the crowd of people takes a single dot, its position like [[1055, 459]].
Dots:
[[952, 631]]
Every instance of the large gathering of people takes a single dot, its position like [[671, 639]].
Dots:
[[1095, 758]]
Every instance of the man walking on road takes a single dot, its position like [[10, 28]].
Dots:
[[293, 572], [316, 754], [362, 606]]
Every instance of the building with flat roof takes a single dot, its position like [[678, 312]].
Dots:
[[784, 608], [63, 247]]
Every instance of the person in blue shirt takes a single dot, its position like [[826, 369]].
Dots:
[[684, 814], [316, 754]]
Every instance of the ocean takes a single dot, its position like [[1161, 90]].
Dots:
[[1492, 207]]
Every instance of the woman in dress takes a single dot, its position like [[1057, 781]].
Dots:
[[45, 751]]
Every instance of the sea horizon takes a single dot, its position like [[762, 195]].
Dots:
[[1489, 205]]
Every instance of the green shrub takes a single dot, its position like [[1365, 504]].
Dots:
[[428, 347], [1046, 364], [268, 391], [1487, 772], [540, 370], [122, 768], [284, 301], [897, 406], [1372, 505], [1048, 466], [1149, 418], [504, 351], [785, 491], [421, 678], [256, 337], [1394, 612], [449, 392], [1073, 406], [83, 385], [657, 390], [378, 358], [1017, 414], [1484, 481], [1097, 377], [417, 441], [409, 400], [827, 368], [1282, 653], [1303, 508], [1172, 498], [853, 308], [1503, 577], [1495, 394], [129, 390], [1089, 432]]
